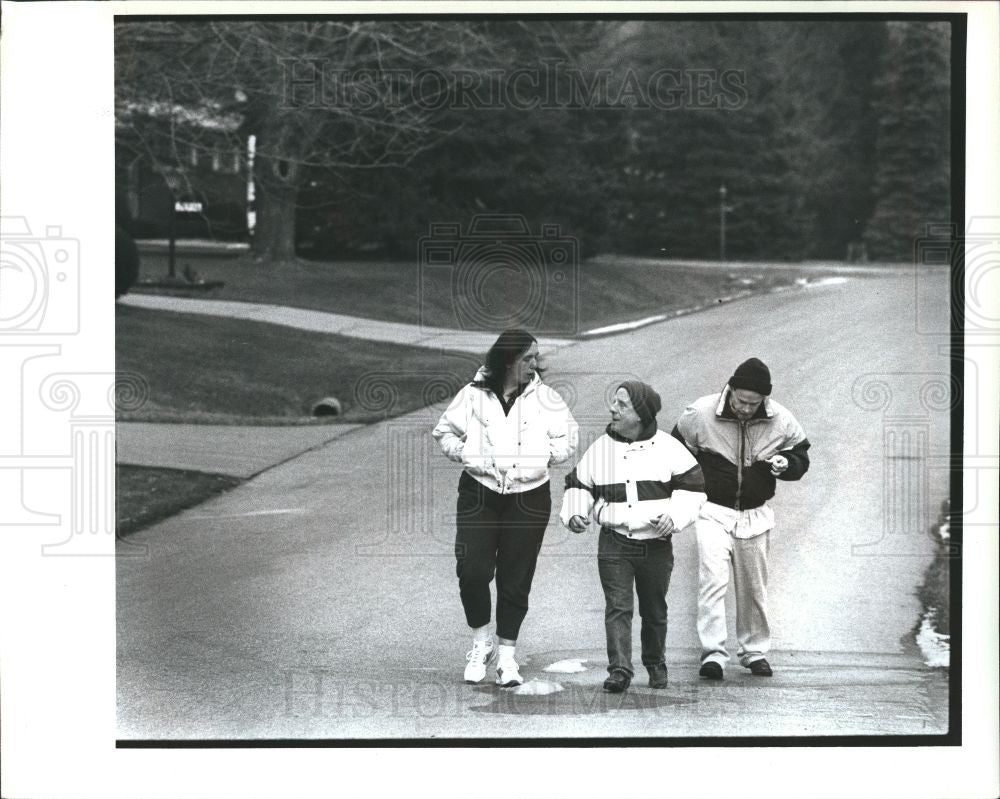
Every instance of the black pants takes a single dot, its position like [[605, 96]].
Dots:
[[499, 533]]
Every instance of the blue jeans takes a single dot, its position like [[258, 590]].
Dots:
[[646, 567]]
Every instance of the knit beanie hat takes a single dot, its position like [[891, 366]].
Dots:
[[752, 375], [644, 398]]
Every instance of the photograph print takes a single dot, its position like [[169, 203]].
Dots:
[[529, 379]]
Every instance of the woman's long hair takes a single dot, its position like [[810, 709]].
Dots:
[[510, 346]]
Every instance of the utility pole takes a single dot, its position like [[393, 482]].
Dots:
[[722, 222], [172, 245]]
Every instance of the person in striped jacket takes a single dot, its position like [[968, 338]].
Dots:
[[640, 486]]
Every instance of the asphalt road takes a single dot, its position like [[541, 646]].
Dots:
[[319, 600]]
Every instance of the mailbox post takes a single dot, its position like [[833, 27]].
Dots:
[[172, 241], [178, 208]]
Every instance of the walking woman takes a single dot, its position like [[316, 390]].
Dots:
[[506, 428]]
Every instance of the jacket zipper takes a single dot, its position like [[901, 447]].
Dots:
[[502, 484], [739, 468]]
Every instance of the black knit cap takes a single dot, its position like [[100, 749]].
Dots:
[[645, 400], [752, 375]]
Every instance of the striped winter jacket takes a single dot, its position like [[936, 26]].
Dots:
[[732, 453], [625, 485]]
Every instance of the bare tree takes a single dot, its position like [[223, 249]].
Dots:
[[317, 95]]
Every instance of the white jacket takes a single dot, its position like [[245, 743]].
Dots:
[[508, 453]]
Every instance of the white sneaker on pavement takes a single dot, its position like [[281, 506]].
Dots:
[[508, 675], [479, 656]]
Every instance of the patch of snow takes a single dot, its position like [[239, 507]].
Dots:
[[571, 666], [935, 647], [538, 688], [625, 325], [823, 281]]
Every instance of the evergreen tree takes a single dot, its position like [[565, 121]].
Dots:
[[813, 129], [912, 178]]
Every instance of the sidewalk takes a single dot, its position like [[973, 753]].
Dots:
[[241, 451], [234, 450], [340, 324]]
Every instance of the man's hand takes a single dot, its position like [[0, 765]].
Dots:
[[779, 464], [578, 523], [664, 525]]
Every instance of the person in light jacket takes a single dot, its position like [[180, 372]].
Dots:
[[745, 442], [506, 428], [641, 486]]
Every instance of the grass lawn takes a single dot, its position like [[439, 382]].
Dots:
[[146, 496], [219, 370], [562, 301]]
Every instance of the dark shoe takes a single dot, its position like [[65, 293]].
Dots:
[[617, 682], [657, 675], [711, 670], [761, 668]]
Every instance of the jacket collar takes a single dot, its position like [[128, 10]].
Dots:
[[723, 411], [534, 383], [647, 433]]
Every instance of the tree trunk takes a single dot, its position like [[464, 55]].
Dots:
[[276, 196]]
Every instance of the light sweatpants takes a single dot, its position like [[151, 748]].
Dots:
[[718, 551]]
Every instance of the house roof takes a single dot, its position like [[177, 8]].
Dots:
[[207, 117]]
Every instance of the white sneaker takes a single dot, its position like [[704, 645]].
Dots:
[[479, 656], [508, 675]]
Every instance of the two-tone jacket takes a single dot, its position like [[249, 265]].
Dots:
[[626, 485], [508, 453], [733, 454]]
